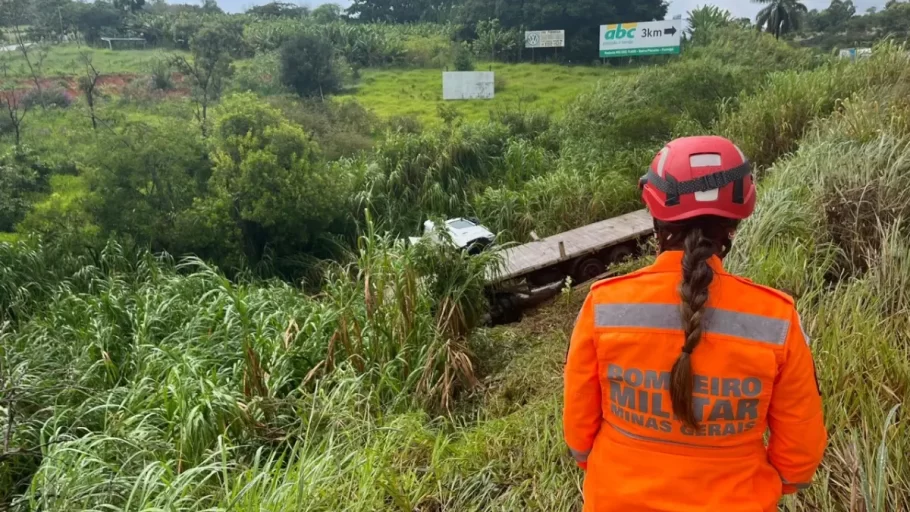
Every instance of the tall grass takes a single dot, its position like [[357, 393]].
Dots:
[[129, 379], [834, 214]]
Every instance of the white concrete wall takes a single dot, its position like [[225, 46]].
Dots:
[[468, 85]]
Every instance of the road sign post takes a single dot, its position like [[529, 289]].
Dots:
[[635, 39]]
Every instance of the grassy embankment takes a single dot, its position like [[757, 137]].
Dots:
[[66, 60], [417, 92]]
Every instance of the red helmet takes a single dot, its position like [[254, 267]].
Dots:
[[695, 176]]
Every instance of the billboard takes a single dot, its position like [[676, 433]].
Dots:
[[545, 39], [645, 38], [467, 85], [855, 53]]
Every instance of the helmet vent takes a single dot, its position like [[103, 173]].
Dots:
[[706, 160], [664, 153]]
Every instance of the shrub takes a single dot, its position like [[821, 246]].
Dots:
[[260, 75], [341, 129], [21, 176], [771, 123], [587, 185], [526, 124], [308, 65], [461, 57], [51, 97], [160, 75], [405, 125], [644, 109], [141, 91], [499, 83], [427, 52], [267, 178], [448, 113], [758, 53], [140, 189]]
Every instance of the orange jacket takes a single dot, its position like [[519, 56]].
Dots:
[[753, 371]]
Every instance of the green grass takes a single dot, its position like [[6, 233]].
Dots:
[[417, 92], [9, 237], [65, 60]]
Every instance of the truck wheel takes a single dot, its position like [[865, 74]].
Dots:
[[620, 253], [588, 269], [508, 311], [478, 246]]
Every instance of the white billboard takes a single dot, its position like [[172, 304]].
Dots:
[[855, 53], [545, 39], [645, 38], [468, 85]]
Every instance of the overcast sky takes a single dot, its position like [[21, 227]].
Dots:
[[740, 8], [748, 9]]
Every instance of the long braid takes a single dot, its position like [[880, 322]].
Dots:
[[697, 276]]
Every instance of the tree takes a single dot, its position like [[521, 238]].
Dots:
[[129, 5], [21, 176], [326, 13], [705, 20], [19, 12], [15, 110], [495, 41], [834, 18], [51, 19], [269, 180], [145, 178], [278, 10], [88, 83], [395, 11], [308, 65], [211, 7], [94, 20], [212, 49], [462, 59], [781, 16]]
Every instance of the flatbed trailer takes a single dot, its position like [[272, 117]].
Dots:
[[536, 271]]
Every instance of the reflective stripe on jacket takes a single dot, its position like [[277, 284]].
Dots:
[[753, 371]]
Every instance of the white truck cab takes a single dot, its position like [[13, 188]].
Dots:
[[467, 234]]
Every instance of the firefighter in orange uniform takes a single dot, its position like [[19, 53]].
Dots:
[[675, 372]]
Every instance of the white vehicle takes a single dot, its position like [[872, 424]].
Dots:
[[466, 234]]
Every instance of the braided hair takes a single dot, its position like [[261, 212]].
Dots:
[[700, 239]]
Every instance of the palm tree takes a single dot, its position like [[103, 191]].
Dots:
[[780, 16]]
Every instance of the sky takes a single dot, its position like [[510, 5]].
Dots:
[[748, 9], [740, 8]]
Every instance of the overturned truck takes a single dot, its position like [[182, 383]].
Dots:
[[535, 272]]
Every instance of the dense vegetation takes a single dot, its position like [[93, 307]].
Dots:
[[206, 303]]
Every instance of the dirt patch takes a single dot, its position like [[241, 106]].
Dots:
[[113, 85]]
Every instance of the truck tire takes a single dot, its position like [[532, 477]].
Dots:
[[478, 246], [508, 311], [620, 253], [588, 269]]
